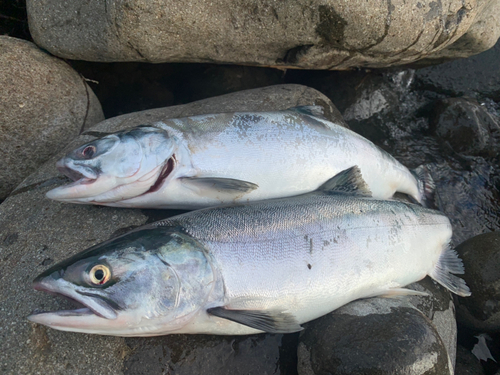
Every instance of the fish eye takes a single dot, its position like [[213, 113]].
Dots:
[[89, 151], [100, 274]]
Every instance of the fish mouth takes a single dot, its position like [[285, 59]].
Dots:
[[83, 176], [94, 305]]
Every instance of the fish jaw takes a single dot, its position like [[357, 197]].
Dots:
[[83, 190]]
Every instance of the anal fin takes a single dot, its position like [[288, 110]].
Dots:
[[272, 322], [397, 292]]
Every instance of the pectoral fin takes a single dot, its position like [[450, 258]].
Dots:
[[219, 188], [272, 322]]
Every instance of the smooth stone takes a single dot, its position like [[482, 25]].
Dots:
[[467, 363], [44, 104], [481, 257], [373, 336], [36, 232], [316, 35], [467, 127]]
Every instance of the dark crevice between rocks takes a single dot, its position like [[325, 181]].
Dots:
[[14, 19], [88, 104]]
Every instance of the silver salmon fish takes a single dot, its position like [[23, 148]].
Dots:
[[208, 160], [247, 268]]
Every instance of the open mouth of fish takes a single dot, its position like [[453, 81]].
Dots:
[[87, 183], [78, 177], [87, 304]]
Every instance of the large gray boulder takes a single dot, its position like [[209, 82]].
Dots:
[[320, 34], [36, 232], [44, 104]]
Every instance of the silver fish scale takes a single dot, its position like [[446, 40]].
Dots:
[[302, 251]]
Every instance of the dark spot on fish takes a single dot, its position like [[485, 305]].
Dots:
[[310, 246], [46, 262], [11, 239], [309, 266]]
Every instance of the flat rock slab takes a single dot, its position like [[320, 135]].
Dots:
[[36, 232], [44, 104], [319, 34]]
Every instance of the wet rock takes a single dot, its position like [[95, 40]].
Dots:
[[476, 76], [467, 363], [481, 257], [44, 104], [373, 336], [34, 229], [466, 126], [207, 355], [319, 35]]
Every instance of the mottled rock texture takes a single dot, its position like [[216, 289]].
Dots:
[[44, 104], [319, 34], [36, 232], [373, 336], [481, 257]]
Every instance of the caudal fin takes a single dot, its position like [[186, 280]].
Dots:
[[448, 264], [426, 185]]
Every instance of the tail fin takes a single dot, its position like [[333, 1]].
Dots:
[[426, 185], [450, 263]]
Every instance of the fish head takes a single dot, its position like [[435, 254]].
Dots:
[[117, 166], [148, 282]]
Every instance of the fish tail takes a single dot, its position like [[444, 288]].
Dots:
[[448, 264], [426, 185]]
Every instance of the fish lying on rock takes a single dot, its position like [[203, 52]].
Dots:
[[207, 160], [260, 266]]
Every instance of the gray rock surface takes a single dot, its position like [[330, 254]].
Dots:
[[44, 104], [373, 336], [467, 127], [481, 257], [322, 34], [467, 363], [476, 76], [36, 232]]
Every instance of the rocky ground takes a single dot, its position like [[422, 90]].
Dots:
[[445, 116]]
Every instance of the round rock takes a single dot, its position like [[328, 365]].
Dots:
[[44, 104], [466, 126], [373, 336], [36, 232], [312, 35], [481, 257]]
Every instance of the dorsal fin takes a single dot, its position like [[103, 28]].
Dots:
[[349, 182], [311, 110]]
